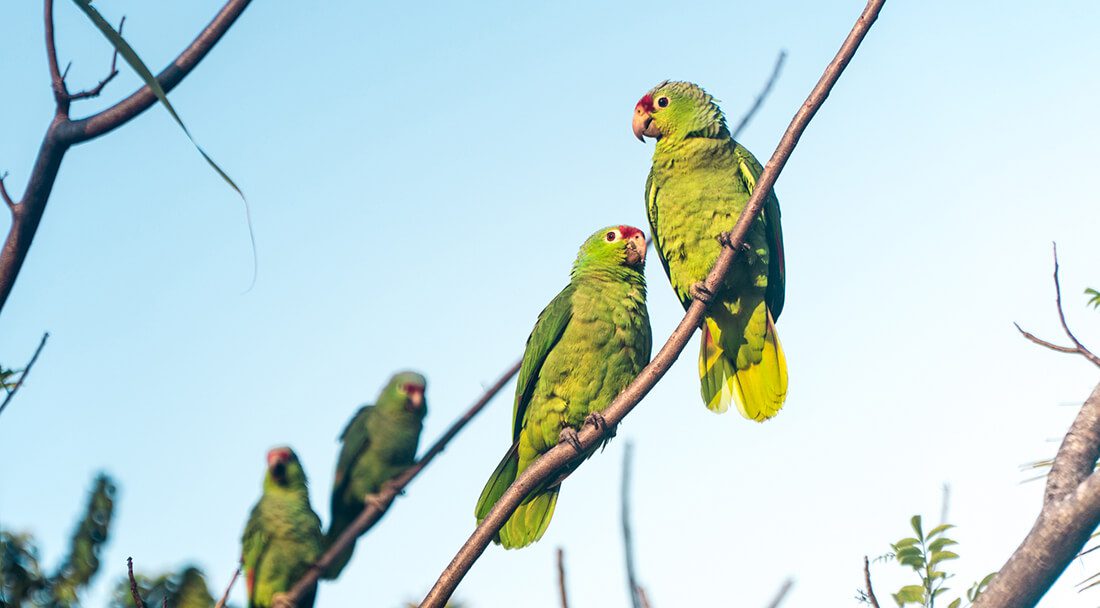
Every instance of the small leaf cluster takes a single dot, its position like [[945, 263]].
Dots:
[[1094, 297], [927, 554]]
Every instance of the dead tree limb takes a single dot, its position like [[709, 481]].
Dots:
[[781, 595], [1070, 513], [229, 588], [633, 588], [63, 133], [23, 374], [138, 602], [379, 503], [1077, 348], [563, 455], [869, 594], [561, 579]]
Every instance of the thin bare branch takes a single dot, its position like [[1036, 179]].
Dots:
[[23, 374], [781, 595], [643, 597], [871, 599], [632, 585], [1077, 348], [64, 133], [563, 455], [95, 91], [1070, 513], [138, 602], [228, 588], [561, 579], [756, 105], [4, 192], [378, 504], [57, 81], [945, 502]]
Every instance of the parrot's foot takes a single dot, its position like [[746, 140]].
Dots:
[[569, 435], [597, 420], [700, 292], [723, 239], [375, 501], [281, 600]]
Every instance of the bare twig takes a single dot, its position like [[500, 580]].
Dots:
[[1077, 347], [561, 579], [4, 192], [643, 597], [563, 455], [1070, 513], [945, 503], [23, 374], [138, 602], [744, 122], [871, 599], [64, 133], [378, 504], [632, 586], [94, 92], [228, 588], [781, 595]]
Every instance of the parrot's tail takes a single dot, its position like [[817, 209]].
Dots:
[[340, 521], [529, 521], [759, 387]]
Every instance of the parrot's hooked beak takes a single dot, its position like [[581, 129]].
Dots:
[[415, 397], [642, 125], [276, 463], [635, 250]]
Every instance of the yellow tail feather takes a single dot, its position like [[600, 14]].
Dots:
[[758, 390], [530, 520]]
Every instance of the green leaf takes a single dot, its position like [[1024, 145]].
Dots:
[[939, 529], [955, 604], [915, 522], [910, 594], [942, 556], [1094, 297], [940, 543], [905, 542], [130, 55]]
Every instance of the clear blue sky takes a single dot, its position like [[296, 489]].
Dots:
[[420, 180]]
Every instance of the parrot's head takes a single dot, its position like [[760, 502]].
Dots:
[[676, 110], [283, 468], [612, 247], [405, 390]]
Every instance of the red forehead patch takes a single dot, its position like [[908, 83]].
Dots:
[[278, 455], [629, 232], [645, 103]]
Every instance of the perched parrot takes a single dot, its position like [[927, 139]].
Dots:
[[378, 444], [700, 181], [588, 344], [283, 537]]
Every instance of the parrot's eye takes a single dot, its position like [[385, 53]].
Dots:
[[662, 102], [610, 236]]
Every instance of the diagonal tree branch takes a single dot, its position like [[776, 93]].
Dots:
[[562, 455], [378, 504], [1070, 513], [228, 588], [781, 595], [23, 374], [63, 133], [756, 105], [1077, 348]]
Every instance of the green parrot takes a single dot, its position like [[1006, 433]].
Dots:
[[700, 181], [378, 444], [283, 536], [588, 344]]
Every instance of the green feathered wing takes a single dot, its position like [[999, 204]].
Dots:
[[354, 442], [531, 518]]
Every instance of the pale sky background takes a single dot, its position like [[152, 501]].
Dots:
[[420, 179]]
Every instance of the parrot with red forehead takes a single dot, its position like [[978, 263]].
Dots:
[[283, 536], [377, 445], [698, 185], [587, 345]]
